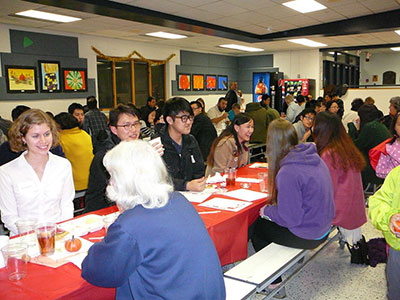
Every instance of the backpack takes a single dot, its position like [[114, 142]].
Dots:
[[375, 153]]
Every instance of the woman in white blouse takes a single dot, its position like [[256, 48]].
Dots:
[[37, 184]]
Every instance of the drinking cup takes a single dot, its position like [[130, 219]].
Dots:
[[108, 220], [46, 235], [15, 259], [3, 242], [231, 179], [263, 177], [26, 229]]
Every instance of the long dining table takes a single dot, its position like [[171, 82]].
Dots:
[[227, 229]]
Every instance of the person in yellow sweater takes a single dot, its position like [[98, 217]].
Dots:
[[78, 148]]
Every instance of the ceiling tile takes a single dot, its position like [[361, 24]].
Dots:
[[224, 8]]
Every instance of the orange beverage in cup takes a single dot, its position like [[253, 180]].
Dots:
[[46, 234]]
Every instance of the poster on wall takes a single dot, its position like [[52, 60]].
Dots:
[[74, 80], [222, 82], [260, 85], [49, 76], [21, 79], [198, 82], [211, 82], [183, 82]]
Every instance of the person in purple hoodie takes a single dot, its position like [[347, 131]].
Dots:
[[300, 210]]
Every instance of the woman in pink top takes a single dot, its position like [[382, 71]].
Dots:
[[345, 163], [387, 162]]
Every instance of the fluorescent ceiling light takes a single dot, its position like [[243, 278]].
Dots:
[[395, 49], [304, 6], [242, 48], [397, 31], [307, 42], [167, 35], [47, 16]]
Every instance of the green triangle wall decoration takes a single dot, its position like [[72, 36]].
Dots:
[[27, 42]]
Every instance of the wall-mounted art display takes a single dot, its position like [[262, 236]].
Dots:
[[211, 82], [183, 82], [21, 79], [260, 85], [49, 76], [222, 82], [197, 82], [74, 80]]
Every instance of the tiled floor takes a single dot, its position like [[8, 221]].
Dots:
[[330, 276]]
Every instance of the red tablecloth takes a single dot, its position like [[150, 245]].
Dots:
[[228, 231]]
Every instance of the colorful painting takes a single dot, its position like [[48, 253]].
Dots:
[[222, 82], [49, 76], [198, 82], [260, 85], [75, 80], [21, 79], [183, 82], [211, 82]]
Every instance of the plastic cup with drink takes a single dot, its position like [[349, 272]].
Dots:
[[46, 235], [231, 176], [263, 178]]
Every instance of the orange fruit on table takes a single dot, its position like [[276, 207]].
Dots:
[[73, 245], [398, 224]]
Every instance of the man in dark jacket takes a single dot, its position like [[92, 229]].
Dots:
[[182, 154], [232, 96], [259, 115], [202, 129], [147, 109], [124, 126]]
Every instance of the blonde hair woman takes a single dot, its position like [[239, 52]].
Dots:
[[38, 183], [148, 251]]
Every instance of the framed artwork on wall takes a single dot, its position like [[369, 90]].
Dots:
[[74, 80], [49, 76], [197, 82], [184, 82], [21, 79], [211, 82], [222, 82]]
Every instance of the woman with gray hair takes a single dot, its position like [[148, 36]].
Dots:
[[158, 248]]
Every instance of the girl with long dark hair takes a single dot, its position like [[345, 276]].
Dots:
[[229, 150], [345, 163], [300, 210]]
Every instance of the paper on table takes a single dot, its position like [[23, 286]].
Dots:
[[216, 178], [197, 197], [225, 204], [259, 165], [245, 179], [247, 195], [84, 225]]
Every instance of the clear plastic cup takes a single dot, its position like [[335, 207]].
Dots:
[[15, 257], [26, 229], [46, 235], [231, 176], [263, 177]]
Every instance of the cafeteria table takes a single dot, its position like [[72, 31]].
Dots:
[[227, 229]]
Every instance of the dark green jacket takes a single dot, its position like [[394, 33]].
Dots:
[[272, 114], [259, 115], [371, 135]]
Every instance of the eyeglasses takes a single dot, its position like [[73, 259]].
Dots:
[[128, 126], [185, 118], [309, 118]]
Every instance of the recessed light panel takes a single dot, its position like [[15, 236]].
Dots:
[[397, 31], [242, 48], [395, 48], [36, 14], [166, 35], [304, 6], [307, 42]]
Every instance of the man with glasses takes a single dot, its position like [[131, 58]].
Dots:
[[304, 125], [182, 154], [125, 126]]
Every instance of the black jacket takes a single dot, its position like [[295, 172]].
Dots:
[[95, 197], [204, 132], [187, 165]]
